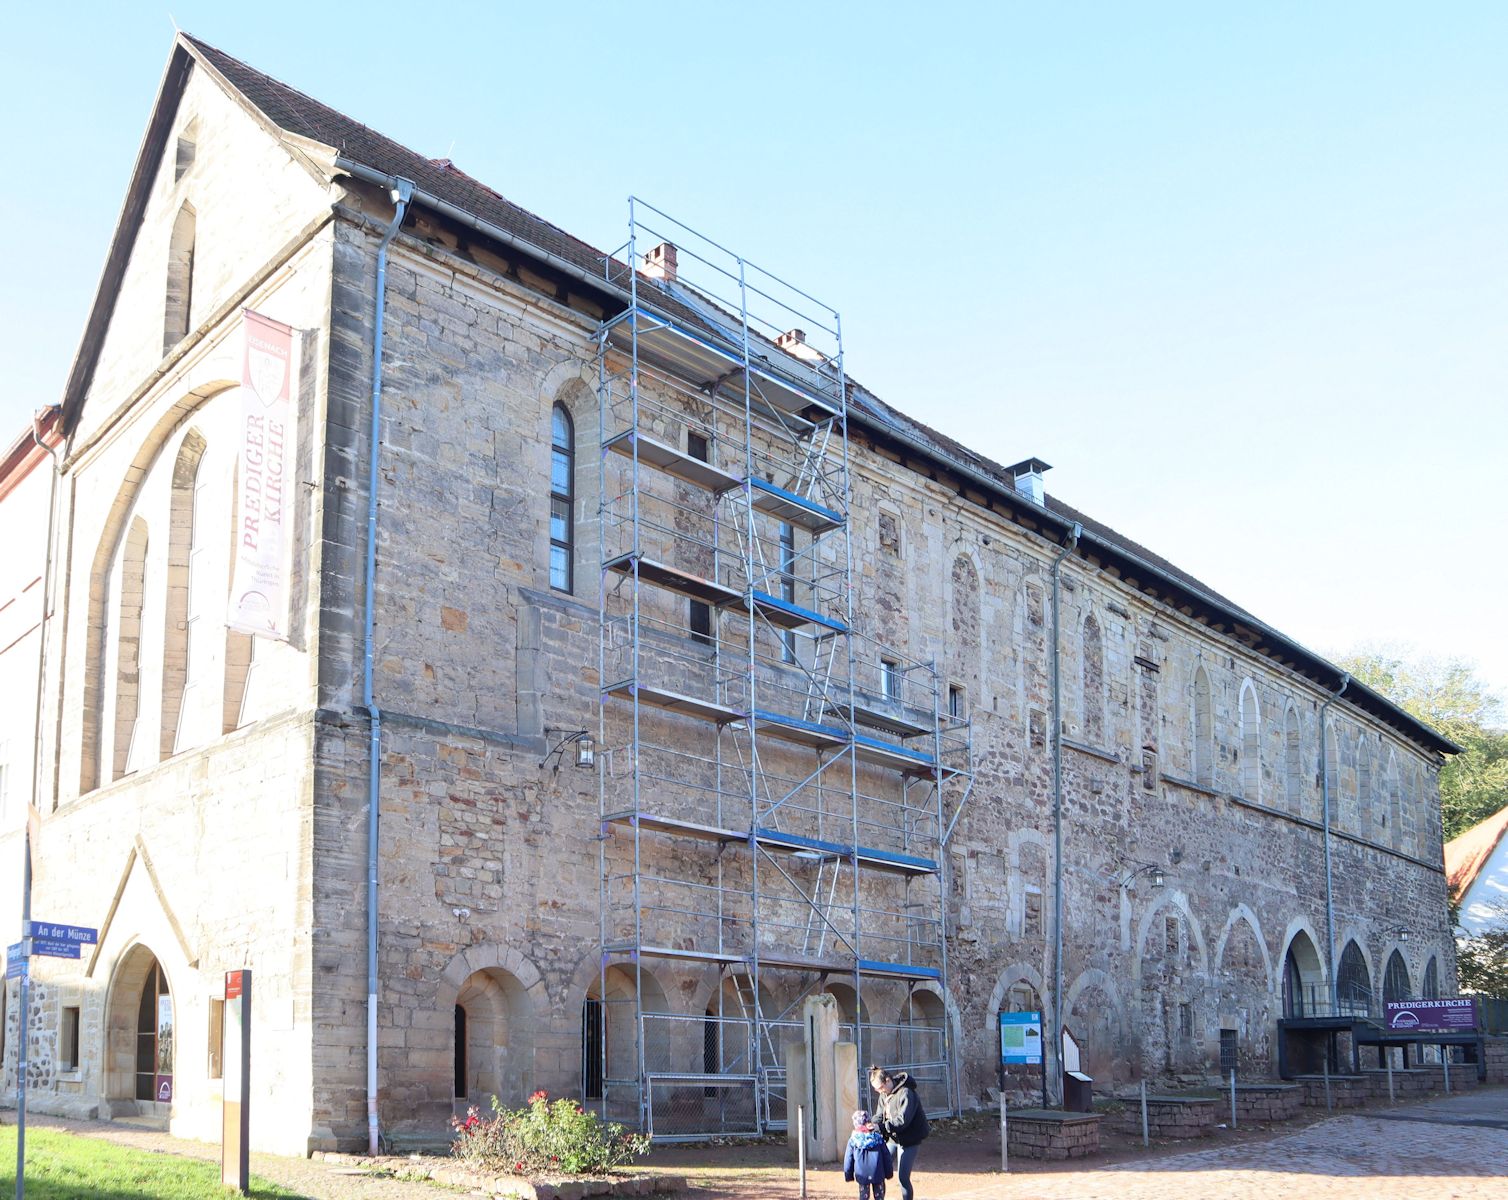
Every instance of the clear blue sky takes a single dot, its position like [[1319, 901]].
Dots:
[[1240, 272]]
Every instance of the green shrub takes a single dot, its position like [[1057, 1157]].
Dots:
[[543, 1139]]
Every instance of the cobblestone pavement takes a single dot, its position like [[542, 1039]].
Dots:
[[1454, 1148]]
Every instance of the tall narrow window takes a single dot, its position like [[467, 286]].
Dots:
[[175, 652], [240, 648], [592, 1049], [1251, 742], [788, 586], [68, 1040], [132, 587], [178, 301], [186, 147], [957, 704], [460, 1045], [890, 679], [198, 623], [1204, 730], [1094, 682], [1293, 745], [1395, 980], [700, 612], [562, 500]]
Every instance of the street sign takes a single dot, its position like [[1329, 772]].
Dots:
[[51, 931], [49, 948], [15, 960]]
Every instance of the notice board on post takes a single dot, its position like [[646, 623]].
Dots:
[[1020, 1037], [235, 1130]]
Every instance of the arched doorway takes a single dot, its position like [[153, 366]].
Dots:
[[491, 1039], [1301, 976], [141, 1036], [1353, 983]]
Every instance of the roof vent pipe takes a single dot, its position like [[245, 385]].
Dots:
[[1028, 477], [660, 263]]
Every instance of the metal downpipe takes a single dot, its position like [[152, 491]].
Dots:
[[1345, 682], [36, 779], [402, 192], [1057, 803]]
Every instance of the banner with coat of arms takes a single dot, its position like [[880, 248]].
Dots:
[[264, 513]]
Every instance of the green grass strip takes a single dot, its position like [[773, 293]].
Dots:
[[65, 1166]]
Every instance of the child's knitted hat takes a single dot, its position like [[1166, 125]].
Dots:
[[861, 1118]]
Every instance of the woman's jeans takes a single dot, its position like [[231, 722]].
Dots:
[[903, 1157]]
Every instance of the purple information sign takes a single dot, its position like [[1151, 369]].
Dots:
[[1432, 1016]]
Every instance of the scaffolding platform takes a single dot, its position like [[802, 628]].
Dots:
[[871, 968], [774, 839], [665, 457], [673, 579], [789, 615], [695, 358], [793, 509], [882, 715], [675, 702]]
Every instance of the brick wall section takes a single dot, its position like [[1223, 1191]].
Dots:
[[1346, 1091], [1264, 1102], [1032, 1133], [1496, 1060]]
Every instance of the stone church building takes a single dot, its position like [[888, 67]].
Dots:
[[682, 675]]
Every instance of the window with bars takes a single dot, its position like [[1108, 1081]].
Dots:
[[1227, 1051], [562, 500]]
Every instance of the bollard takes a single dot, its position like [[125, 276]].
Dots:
[[1004, 1141], [1233, 1097], [1328, 1107], [1144, 1140], [1392, 1099], [1445, 1062], [801, 1145]]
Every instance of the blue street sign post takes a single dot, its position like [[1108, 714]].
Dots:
[[51, 940]]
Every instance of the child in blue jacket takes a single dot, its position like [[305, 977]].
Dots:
[[867, 1158]]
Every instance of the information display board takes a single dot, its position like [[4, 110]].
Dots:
[[1021, 1037]]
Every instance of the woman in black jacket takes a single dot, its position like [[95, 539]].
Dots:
[[901, 1119]]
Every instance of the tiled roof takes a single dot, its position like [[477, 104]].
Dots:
[[1466, 855]]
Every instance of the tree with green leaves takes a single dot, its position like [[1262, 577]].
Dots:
[[1446, 694]]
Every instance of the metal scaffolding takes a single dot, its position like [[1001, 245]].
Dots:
[[775, 786]]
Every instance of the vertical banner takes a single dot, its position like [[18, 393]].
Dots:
[[259, 593], [235, 1126]]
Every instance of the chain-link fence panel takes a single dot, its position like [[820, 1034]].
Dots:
[[689, 1108]]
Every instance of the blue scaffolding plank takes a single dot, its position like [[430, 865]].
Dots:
[[790, 616], [869, 966], [797, 510]]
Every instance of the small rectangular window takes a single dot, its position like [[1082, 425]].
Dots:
[[68, 1041], [890, 679], [701, 622], [696, 446], [1227, 1051], [216, 1056], [957, 704], [1185, 1020]]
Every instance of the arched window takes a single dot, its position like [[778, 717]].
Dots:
[[1364, 815], [176, 654], [1431, 988], [187, 144], [132, 589], [1293, 747], [562, 500], [1393, 800], [1353, 985], [178, 301], [1395, 980], [1094, 682], [1333, 757], [1204, 730], [1251, 742]]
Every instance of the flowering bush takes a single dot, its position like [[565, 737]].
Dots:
[[543, 1139]]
